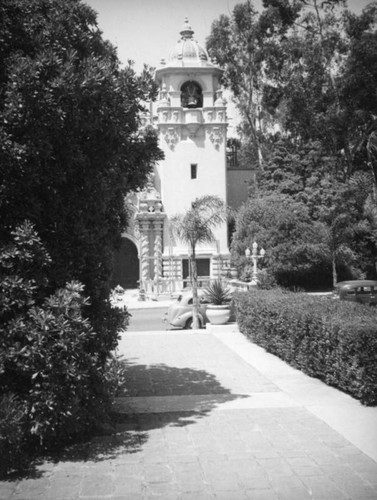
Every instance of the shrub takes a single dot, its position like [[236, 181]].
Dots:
[[246, 273], [12, 420], [52, 367], [115, 375], [266, 281], [53, 359], [331, 340]]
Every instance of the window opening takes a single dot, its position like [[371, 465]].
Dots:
[[194, 170]]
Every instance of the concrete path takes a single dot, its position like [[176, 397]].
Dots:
[[208, 415]]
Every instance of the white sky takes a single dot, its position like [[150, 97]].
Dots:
[[146, 30]]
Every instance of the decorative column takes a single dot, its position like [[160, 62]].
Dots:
[[144, 244], [157, 249], [150, 220]]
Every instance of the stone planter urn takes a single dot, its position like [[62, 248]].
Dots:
[[218, 297], [218, 315]]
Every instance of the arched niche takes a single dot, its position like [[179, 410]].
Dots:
[[126, 269], [191, 95]]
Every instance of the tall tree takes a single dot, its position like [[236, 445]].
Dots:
[[71, 145], [305, 66], [248, 46], [315, 83], [358, 85], [194, 227], [295, 253], [321, 99], [305, 175]]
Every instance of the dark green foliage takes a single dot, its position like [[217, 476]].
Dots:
[[217, 293], [327, 339], [23, 267], [51, 357], [266, 281], [71, 145], [12, 422], [62, 378], [307, 70], [71, 148], [312, 225], [295, 251]]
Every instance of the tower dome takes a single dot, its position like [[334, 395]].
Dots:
[[188, 51]]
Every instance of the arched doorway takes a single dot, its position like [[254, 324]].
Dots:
[[126, 265]]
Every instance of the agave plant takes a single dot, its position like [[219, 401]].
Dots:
[[218, 293]]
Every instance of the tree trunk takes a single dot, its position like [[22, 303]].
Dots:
[[334, 273], [372, 155], [195, 298]]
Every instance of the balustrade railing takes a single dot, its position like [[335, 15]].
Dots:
[[171, 285]]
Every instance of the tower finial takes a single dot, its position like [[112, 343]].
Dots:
[[186, 31]]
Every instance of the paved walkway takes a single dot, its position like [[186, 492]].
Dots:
[[208, 415], [131, 299]]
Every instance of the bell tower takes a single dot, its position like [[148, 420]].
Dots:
[[192, 125]]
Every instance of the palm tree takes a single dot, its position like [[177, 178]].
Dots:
[[194, 227]]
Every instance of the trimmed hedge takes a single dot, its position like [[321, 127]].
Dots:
[[328, 339]]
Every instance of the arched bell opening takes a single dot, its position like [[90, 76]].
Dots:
[[191, 95]]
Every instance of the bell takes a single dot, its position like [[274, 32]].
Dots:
[[192, 102]]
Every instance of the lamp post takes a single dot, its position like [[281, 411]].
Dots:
[[254, 257]]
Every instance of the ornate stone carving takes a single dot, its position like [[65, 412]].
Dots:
[[164, 96], [158, 206], [136, 231], [171, 137], [149, 192], [157, 250], [150, 198], [219, 98], [144, 247], [143, 206], [216, 135], [150, 189]]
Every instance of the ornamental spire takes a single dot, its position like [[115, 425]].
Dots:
[[186, 31]]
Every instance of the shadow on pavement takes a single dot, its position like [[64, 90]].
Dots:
[[130, 428], [162, 380], [129, 431]]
